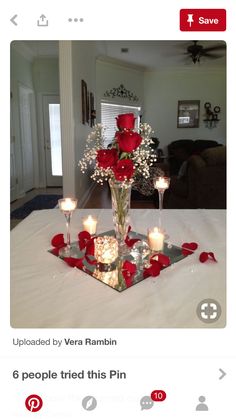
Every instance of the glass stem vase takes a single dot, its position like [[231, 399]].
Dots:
[[66, 251], [68, 218], [161, 198], [120, 198]]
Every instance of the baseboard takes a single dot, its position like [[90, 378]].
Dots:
[[83, 201]]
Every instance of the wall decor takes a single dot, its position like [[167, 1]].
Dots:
[[87, 109], [92, 110], [121, 92], [211, 116], [84, 98], [188, 113]]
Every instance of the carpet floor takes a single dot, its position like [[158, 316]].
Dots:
[[39, 202]]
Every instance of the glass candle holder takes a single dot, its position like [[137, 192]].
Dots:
[[90, 224], [155, 239], [67, 206], [106, 253], [161, 183]]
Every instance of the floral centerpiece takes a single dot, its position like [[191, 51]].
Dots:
[[127, 157]]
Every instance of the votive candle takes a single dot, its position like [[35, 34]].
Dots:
[[155, 239], [161, 183], [106, 249], [67, 204]]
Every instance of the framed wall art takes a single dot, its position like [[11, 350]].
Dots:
[[84, 98], [92, 110], [188, 113]]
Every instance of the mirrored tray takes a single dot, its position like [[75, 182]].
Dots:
[[138, 254]]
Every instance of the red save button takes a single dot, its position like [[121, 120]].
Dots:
[[202, 20]]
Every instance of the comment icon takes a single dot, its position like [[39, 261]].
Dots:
[[146, 403]]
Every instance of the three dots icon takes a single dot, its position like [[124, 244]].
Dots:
[[75, 20]]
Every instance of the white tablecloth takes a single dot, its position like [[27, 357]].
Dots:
[[46, 292]]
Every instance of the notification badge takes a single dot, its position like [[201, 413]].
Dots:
[[33, 403], [158, 395], [202, 20]]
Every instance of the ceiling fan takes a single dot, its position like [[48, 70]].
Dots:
[[196, 51]]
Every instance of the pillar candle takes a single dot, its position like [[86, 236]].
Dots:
[[155, 239], [90, 224]]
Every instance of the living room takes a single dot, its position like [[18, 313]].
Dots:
[[157, 74], [46, 291]]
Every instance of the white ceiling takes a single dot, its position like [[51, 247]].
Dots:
[[159, 54], [143, 54], [42, 48]]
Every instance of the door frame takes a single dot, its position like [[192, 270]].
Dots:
[[13, 168], [34, 137], [46, 99]]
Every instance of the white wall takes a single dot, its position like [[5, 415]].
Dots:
[[163, 89], [42, 76], [110, 75], [77, 62], [46, 82], [21, 74], [84, 68]]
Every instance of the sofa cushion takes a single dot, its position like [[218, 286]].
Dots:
[[184, 144], [214, 156], [200, 145]]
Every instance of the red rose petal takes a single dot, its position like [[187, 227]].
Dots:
[[162, 259], [128, 272], [83, 237], [188, 248], [74, 262], [129, 229], [128, 279], [204, 256], [55, 251], [58, 241], [212, 256], [90, 247], [130, 242], [90, 261], [153, 270], [129, 267]]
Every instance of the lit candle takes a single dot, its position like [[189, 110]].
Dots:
[[155, 239], [106, 249], [90, 224], [161, 183], [67, 204]]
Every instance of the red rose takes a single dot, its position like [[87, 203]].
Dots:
[[125, 121], [107, 158], [128, 141], [123, 170]]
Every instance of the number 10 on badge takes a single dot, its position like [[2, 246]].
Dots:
[[158, 395]]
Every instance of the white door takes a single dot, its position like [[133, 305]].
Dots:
[[26, 128], [52, 140]]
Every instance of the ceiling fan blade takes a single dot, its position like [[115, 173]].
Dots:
[[215, 48], [209, 55]]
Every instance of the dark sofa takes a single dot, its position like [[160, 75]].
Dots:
[[180, 150], [203, 185]]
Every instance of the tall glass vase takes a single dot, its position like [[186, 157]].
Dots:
[[120, 197]]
